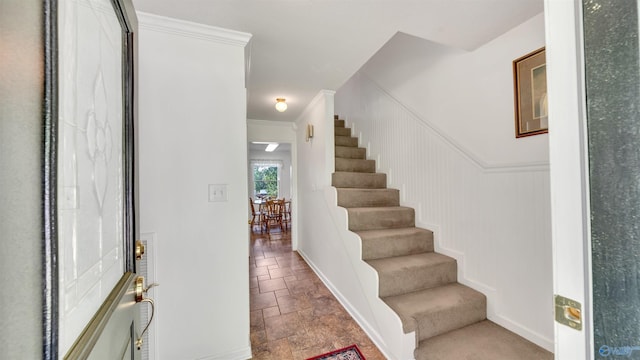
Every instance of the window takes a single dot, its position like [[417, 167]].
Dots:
[[266, 178]]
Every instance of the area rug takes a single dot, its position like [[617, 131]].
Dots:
[[351, 352]]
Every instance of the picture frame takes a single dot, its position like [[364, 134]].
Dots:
[[530, 94]]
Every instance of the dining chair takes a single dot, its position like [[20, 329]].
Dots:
[[273, 215], [255, 215], [286, 214]]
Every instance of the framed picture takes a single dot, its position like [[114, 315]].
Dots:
[[530, 94]]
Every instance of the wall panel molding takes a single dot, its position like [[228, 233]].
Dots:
[[493, 218]]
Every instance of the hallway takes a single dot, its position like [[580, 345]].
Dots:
[[293, 315]]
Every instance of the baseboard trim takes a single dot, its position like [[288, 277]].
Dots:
[[534, 337], [355, 314], [240, 354]]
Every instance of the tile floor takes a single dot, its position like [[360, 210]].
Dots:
[[293, 315]]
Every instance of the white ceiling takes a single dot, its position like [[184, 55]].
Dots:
[[300, 47]]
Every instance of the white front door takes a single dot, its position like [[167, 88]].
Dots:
[[95, 193], [594, 111]]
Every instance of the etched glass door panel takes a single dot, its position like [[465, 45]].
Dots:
[[612, 70], [93, 171]]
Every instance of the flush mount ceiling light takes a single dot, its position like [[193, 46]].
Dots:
[[281, 105], [271, 147]]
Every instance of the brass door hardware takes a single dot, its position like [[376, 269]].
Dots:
[[568, 312], [139, 250], [140, 291]]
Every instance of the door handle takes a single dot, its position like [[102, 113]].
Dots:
[[140, 291]]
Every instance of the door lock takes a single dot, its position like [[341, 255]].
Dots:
[[139, 250]]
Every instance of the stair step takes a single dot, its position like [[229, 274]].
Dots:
[[395, 242], [482, 341], [338, 123], [438, 310], [346, 141], [368, 197], [342, 131], [349, 152], [373, 218], [355, 165], [409, 273], [345, 179]]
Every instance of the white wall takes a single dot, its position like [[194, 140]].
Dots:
[[22, 107], [466, 95], [193, 133], [447, 142]]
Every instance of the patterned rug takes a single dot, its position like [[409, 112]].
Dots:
[[351, 352]]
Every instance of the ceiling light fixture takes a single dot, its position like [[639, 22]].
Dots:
[[281, 105], [271, 147]]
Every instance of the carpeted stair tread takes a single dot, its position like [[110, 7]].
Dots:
[[355, 165], [345, 179], [438, 310], [338, 123], [342, 131], [353, 197], [346, 141], [409, 273], [481, 341], [395, 242], [373, 218], [349, 152]]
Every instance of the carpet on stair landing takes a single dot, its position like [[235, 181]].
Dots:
[[348, 353]]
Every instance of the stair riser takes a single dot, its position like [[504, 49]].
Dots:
[[414, 279], [346, 141], [440, 322], [348, 152], [359, 180], [382, 247], [355, 165], [368, 198], [338, 123], [342, 131], [382, 218]]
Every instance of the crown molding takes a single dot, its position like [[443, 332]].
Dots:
[[191, 29]]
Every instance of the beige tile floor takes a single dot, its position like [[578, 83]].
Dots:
[[293, 315]]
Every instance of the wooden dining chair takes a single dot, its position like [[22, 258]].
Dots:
[[273, 215], [255, 216], [286, 214]]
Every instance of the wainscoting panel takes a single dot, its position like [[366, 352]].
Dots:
[[495, 220]]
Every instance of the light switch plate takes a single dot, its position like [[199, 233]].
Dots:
[[217, 192]]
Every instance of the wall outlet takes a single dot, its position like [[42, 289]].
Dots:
[[217, 192]]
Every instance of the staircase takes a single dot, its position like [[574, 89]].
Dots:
[[449, 319]]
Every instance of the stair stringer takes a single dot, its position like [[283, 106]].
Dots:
[[380, 322]]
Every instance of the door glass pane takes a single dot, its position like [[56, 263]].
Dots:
[[613, 122], [90, 161]]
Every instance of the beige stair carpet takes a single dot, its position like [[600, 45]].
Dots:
[[449, 319]]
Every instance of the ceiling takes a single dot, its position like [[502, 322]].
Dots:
[[300, 47]]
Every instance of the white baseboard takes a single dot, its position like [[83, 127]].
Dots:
[[240, 354]]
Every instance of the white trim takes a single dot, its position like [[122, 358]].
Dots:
[[481, 164], [191, 29], [240, 354]]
